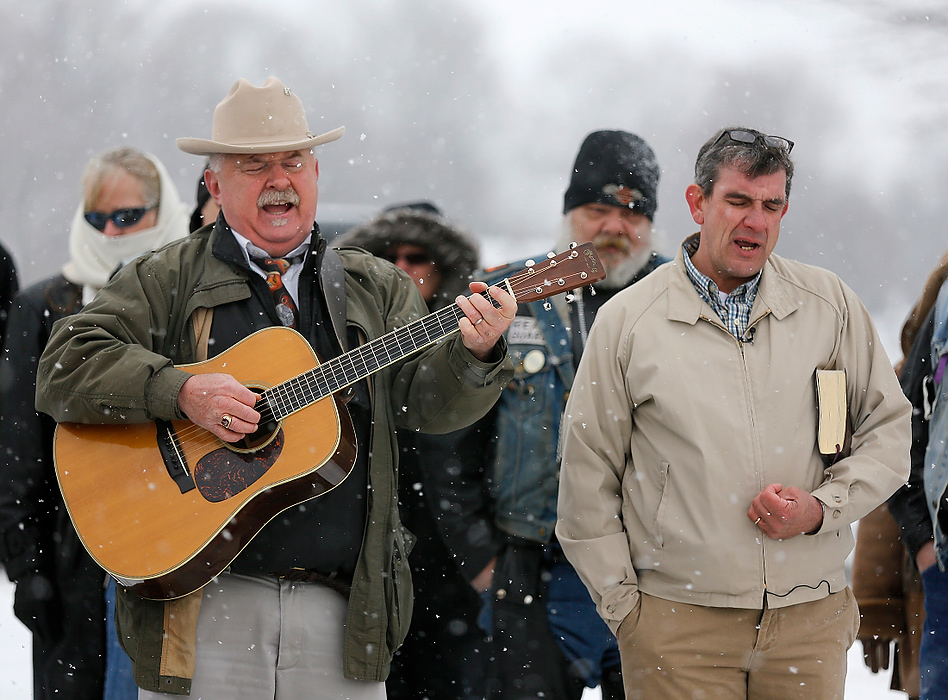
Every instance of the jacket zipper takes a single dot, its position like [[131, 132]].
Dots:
[[748, 338]]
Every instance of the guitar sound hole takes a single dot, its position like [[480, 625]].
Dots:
[[265, 430]]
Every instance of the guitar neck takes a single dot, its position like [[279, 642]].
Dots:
[[349, 368], [558, 273]]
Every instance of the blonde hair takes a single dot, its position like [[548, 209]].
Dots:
[[130, 160]]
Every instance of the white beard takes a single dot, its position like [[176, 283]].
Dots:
[[622, 273], [618, 275]]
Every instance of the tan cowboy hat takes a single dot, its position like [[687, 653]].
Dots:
[[251, 119]]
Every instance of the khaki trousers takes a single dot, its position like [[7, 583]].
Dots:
[[260, 638], [676, 650]]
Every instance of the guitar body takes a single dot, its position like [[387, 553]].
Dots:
[[164, 537]]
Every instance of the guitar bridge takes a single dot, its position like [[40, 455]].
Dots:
[[173, 456]]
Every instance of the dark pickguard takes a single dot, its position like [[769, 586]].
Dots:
[[223, 473]]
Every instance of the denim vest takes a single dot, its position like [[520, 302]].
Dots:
[[525, 473], [936, 455]]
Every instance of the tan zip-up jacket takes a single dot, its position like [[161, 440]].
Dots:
[[674, 426]]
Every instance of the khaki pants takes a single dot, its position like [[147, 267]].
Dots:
[[676, 650], [259, 638]]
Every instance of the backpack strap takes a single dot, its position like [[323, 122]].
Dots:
[[201, 323]]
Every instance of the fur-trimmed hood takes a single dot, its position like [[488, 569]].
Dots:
[[453, 251]]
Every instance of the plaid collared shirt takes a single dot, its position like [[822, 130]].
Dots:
[[735, 308]]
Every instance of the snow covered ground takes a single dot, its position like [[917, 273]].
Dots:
[[15, 670]]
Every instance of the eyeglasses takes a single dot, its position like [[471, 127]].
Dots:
[[410, 258], [122, 218], [749, 137]]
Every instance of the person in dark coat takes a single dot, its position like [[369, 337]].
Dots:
[[886, 580], [129, 206], [205, 208], [9, 285], [443, 498], [922, 377]]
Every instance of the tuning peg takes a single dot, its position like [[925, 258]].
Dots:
[[573, 245], [547, 306], [570, 297], [592, 291]]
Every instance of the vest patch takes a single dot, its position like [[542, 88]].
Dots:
[[525, 331]]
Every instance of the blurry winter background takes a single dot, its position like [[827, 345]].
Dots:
[[480, 106]]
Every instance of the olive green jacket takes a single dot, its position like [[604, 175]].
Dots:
[[115, 362]]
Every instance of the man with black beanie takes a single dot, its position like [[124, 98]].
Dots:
[[548, 640]]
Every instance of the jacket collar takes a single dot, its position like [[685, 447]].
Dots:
[[225, 247], [774, 295]]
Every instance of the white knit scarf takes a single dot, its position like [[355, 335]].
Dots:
[[94, 257]]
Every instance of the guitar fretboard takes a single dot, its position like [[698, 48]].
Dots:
[[340, 372], [558, 273]]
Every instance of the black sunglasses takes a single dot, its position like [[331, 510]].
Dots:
[[742, 136], [122, 218], [410, 258]]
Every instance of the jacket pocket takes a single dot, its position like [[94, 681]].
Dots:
[[660, 512], [398, 590], [630, 623], [517, 574]]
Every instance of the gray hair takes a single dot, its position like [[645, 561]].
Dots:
[[133, 161], [215, 162], [753, 159]]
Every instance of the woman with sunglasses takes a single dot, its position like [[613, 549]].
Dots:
[[129, 206]]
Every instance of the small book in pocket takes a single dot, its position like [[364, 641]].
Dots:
[[834, 425]]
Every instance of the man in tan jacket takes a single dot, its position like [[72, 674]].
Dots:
[[694, 501]]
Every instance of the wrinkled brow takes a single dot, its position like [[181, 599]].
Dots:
[[744, 196]]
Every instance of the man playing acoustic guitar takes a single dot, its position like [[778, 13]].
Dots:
[[317, 594]]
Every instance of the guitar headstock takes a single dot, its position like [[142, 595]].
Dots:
[[564, 272]]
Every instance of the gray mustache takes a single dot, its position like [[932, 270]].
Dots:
[[276, 197]]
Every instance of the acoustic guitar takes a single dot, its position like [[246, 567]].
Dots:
[[164, 507]]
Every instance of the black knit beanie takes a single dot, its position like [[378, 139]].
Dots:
[[420, 205], [617, 168]]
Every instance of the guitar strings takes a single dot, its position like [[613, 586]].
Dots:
[[426, 323], [200, 438]]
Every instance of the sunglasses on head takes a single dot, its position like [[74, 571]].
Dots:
[[122, 218], [410, 258], [749, 137]]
